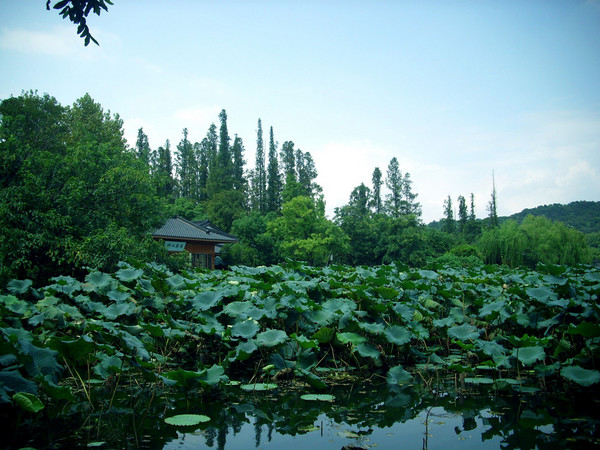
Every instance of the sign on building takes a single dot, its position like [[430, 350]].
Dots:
[[175, 246]]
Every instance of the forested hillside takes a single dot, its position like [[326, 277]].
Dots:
[[581, 215]]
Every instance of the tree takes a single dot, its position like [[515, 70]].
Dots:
[[186, 168], [288, 161], [463, 214], [142, 147], [274, 183], [449, 223], [72, 194], [393, 182], [77, 11], [377, 183], [307, 174], [163, 171], [259, 179], [303, 233], [239, 179], [491, 207]]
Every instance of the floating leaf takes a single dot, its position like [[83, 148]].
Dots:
[[318, 397], [581, 376], [186, 420], [258, 387]]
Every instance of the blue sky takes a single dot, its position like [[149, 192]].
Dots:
[[453, 89]]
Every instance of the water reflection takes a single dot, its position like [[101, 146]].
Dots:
[[362, 415]]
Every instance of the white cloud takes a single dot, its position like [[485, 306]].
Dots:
[[61, 41]]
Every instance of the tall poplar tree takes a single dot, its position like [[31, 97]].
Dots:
[[259, 180], [463, 214], [186, 167], [142, 147], [449, 224], [237, 151], [393, 182], [377, 181], [163, 171], [491, 207], [274, 183]]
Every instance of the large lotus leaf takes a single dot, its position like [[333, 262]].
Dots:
[[368, 351], [43, 360], [271, 338], [186, 420], [213, 375], [529, 355], [181, 377], [244, 350], [18, 286], [74, 349], [28, 402], [404, 311], [372, 328], [321, 317], [586, 329], [541, 294], [119, 309], [246, 329], [304, 342], [258, 387], [129, 274], [397, 335], [324, 335], [491, 348], [237, 309], [492, 307], [12, 380], [463, 332], [203, 301], [581, 376], [108, 365], [349, 337], [313, 380], [118, 296], [99, 280], [136, 345], [397, 375], [428, 274], [13, 304], [339, 305], [176, 282]]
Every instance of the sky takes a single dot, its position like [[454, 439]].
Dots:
[[462, 93]]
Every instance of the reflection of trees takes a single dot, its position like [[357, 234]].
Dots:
[[135, 420]]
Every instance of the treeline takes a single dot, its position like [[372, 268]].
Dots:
[[74, 195], [581, 215]]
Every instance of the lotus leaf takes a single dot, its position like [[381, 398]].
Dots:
[[398, 335], [258, 387], [581, 376], [529, 355], [464, 332], [186, 420], [246, 329], [271, 338], [28, 402], [368, 351], [318, 397], [129, 274], [203, 301], [99, 280], [237, 309], [18, 286], [351, 338], [397, 375], [324, 335]]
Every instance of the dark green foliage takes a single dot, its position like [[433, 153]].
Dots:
[[77, 12], [71, 193], [583, 216]]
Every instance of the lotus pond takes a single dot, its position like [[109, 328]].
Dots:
[[295, 355]]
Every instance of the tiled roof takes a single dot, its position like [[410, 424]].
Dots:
[[180, 228]]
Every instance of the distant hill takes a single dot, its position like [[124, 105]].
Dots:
[[581, 215]]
